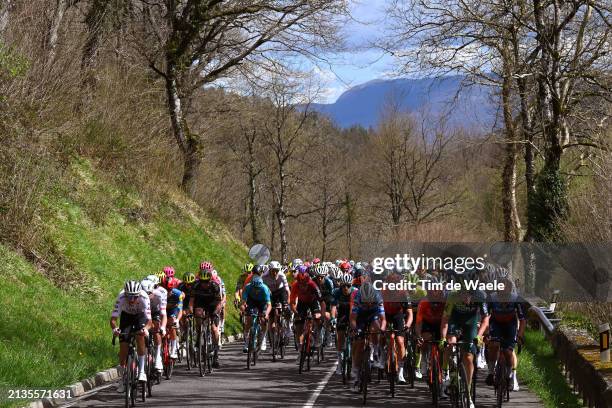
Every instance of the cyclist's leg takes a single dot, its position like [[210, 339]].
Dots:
[[317, 317], [470, 330], [248, 322]]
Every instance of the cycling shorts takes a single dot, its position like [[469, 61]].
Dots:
[[366, 317], [173, 312], [397, 321], [469, 330], [131, 323], [343, 323], [303, 308], [434, 329], [279, 296], [504, 333], [210, 310]]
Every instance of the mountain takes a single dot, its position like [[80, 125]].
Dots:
[[361, 105]]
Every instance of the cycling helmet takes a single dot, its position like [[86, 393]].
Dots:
[[352, 263], [302, 276], [132, 288], [296, 262], [346, 279], [206, 266], [169, 271], [248, 267], [368, 293], [316, 261], [160, 277], [214, 273], [338, 262], [320, 271], [275, 265], [359, 271], [302, 269], [345, 266], [259, 269], [189, 278], [172, 283], [152, 278], [206, 276], [336, 273], [147, 285]]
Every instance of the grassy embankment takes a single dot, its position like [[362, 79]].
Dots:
[[51, 337]]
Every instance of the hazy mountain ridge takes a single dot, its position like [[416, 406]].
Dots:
[[363, 104]]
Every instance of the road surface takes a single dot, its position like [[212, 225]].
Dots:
[[279, 385]]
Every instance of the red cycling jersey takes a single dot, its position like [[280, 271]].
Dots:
[[430, 312], [307, 292]]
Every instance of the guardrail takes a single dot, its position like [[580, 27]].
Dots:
[[579, 355]]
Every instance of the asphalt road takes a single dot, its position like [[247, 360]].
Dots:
[[279, 385]]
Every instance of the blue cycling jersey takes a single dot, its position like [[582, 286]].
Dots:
[[256, 294], [376, 307]]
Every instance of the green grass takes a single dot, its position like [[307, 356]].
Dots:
[[52, 337], [541, 371]]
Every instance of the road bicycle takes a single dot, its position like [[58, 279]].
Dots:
[[458, 390], [204, 345], [306, 349], [365, 370], [186, 345], [431, 356], [392, 362], [167, 361], [410, 359], [276, 334], [347, 359], [130, 373], [501, 377], [253, 346]]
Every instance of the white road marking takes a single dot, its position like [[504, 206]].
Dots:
[[313, 398]]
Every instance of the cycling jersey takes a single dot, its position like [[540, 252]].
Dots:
[[240, 283], [206, 292], [175, 299], [342, 301], [159, 298], [326, 287], [141, 306], [275, 283], [359, 307], [504, 312], [430, 312], [256, 294], [457, 310], [186, 289], [307, 292]]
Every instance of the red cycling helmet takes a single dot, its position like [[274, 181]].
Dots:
[[169, 271], [345, 266], [172, 283], [316, 261], [206, 266]]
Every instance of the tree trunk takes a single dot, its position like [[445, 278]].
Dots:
[[282, 217], [54, 26], [349, 223], [94, 21], [527, 135], [512, 224], [5, 14], [253, 204], [189, 144]]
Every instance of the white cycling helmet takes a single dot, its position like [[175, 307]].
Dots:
[[346, 279], [132, 288], [296, 262], [338, 262], [147, 285], [335, 272], [275, 265], [320, 271], [153, 278], [368, 293]]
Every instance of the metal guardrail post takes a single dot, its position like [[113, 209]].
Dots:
[[604, 343]]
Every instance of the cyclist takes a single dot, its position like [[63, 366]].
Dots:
[[367, 309], [174, 311], [398, 312], [247, 269], [305, 295], [185, 287], [215, 275], [133, 309], [158, 297], [506, 316], [292, 270], [256, 299], [340, 311], [465, 311], [428, 321], [276, 281], [335, 274], [326, 286], [206, 299]]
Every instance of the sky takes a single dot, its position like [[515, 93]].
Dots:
[[364, 64]]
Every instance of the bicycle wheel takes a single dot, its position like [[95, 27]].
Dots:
[[365, 374], [409, 363], [464, 391], [133, 380], [434, 381], [198, 352], [127, 381], [272, 341], [149, 371], [499, 384], [250, 347], [281, 338], [392, 367]]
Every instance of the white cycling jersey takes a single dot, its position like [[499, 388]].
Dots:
[[274, 284], [123, 305], [159, 300]]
